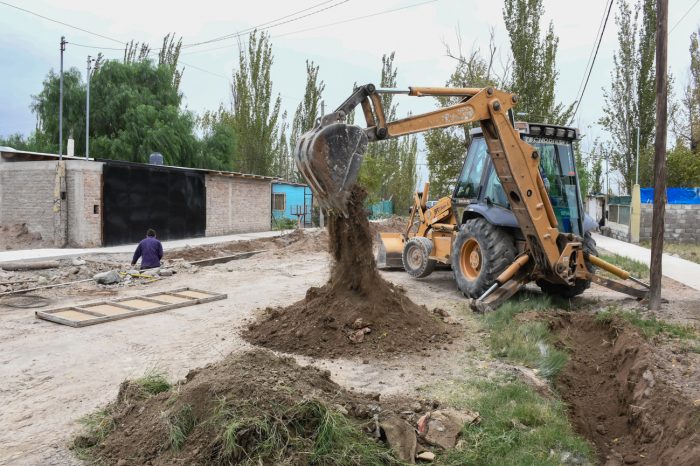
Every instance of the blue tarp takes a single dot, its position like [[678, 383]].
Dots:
[[674, 195]]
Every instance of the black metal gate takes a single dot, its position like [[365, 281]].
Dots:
[[137, 197]]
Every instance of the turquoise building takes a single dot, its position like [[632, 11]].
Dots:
[[292, 201]]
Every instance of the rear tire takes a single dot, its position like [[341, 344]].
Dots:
[[416, 257], [568, 292], [480, 252]]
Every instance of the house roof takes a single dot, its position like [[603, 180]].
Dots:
[[10, 154], [290, 183]]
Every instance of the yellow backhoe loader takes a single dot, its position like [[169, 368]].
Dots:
[[537, 232]]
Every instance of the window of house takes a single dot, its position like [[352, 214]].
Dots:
[[279, 201]]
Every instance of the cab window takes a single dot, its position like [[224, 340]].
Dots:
[[470, 178]]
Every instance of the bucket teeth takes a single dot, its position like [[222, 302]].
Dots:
[[329, 158]]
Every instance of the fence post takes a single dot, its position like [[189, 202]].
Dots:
[[635, 214]]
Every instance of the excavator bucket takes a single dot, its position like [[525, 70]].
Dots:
[[390, 252], [329, 158]]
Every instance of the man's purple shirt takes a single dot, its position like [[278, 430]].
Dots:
[[150, 251]]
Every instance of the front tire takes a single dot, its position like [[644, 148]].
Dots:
[[480, 252], [416, 257]]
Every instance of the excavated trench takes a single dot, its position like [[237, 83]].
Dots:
[[617, 401]]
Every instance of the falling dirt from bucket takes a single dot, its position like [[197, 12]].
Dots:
[[357, 312]]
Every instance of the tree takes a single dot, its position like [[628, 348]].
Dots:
[[255, 113], [630, 100], [447, 147], [534, 73], [682, 168], [686, 122], [45, 107], [218, 141], [389, 167]]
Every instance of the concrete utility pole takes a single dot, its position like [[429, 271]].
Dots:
[[87, 111], [657, 228], [60, 103]]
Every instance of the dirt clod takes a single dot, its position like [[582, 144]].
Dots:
[[356, 312]]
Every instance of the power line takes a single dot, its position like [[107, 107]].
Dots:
[[590, 55], [590, 70], [95, 46], [60, 22], [356, 18], [251, 29], [684, 15]]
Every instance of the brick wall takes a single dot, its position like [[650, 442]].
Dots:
[[84, 193], [26, 196], [681, 222], [27, 192], [237, 205]]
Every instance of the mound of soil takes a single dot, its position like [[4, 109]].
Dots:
[[236, 396], [617, 400], [298, 241], [356, 312]]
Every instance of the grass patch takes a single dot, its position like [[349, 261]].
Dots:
[[180, 426], [153, 382], [517, 427], [650, 327], [530, 342], [322, 435], [283, 223], [636, 268], [687, 251], [95, 427]]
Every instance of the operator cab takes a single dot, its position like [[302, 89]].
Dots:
[[479, 190]]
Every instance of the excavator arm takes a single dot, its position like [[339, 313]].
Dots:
[[329, 157]]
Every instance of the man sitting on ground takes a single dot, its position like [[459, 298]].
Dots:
[[149, 250]]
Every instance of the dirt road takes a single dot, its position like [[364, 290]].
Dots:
[[52, 374]]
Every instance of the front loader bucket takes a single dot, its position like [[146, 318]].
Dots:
[[390, 252], [329, 158]]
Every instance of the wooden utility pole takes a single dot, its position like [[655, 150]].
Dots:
[[657, 228]]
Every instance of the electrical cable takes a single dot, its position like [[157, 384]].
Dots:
[[590, 70], [684, 15], [95, 46], [61, 22], [357, 18], [258, 27], [590, 55]]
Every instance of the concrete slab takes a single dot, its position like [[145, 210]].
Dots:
[[37, 254], [681, 270]]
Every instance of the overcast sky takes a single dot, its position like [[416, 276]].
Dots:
[[346, 53]]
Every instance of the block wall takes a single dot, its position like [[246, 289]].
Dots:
[[681, 222], [237, 205]]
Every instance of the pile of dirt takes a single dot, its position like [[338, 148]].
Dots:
[[18, 236], [299, 241], [393, 224], [617, 399], [356, 312], [251, 406]]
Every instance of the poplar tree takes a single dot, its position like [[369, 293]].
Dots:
[[255, 111], [534, 73], [630, 100]]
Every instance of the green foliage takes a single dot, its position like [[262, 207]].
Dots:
[[525, 342], [636, 268], [630, 99], [255, 112], [389, 167], [95, 428], [650, 327], [45, 106], [180, 425], [682, 168], [218, 141], [517, 427], [153, 382], [283, 223], [534, 74]]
